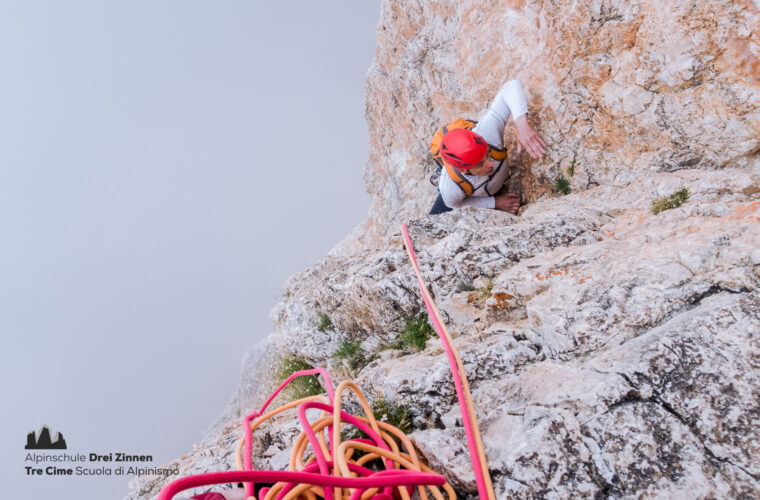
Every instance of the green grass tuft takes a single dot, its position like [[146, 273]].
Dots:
[[416, 332], [670, 201], [395, 414], [487, 290], [323, 322], [562, 185], [301, 387], [351, 351]]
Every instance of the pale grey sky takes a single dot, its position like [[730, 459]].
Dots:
[[164, 166]]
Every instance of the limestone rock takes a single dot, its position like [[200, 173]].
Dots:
[[611, 352]]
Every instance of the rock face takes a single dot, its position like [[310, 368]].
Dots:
[[620, 89], [611, 352]]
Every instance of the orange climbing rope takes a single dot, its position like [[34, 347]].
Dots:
[[469, 420]]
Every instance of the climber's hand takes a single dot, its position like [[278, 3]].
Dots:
[[528, 139], [509, 202]]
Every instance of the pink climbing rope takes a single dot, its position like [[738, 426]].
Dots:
[[378, 479], [247, 456], [319, 472], [485, 490]]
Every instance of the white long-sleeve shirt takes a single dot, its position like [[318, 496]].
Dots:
[[510, 100]]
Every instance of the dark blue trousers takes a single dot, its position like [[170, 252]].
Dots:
[[439, 206]]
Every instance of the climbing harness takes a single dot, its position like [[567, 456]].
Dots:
[[323, 466], [436, 177], [470, 422]]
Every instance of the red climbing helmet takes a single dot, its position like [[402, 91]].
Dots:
[[463, 148]]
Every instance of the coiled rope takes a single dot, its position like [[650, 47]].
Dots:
[[313, 472]]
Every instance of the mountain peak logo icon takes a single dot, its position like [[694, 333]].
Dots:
[[43, 440]]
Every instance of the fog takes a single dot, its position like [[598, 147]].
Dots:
[[164, 167]]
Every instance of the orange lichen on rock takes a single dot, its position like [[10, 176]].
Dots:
[[562, 271], [557, 272], [501, 301]]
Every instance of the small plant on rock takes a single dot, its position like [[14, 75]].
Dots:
[[416, 333], [351, 351], [670, 201], [571, 168], [486, 290], [323, 322], [396, 414], [562, 184], [301, 387], [465, 286]]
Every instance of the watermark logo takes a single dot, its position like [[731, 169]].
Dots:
[[74, 463], [43, 441]]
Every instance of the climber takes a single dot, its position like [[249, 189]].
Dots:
[[472, 159]]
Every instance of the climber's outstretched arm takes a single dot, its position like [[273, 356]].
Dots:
[[511, 101], [528, 139]]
